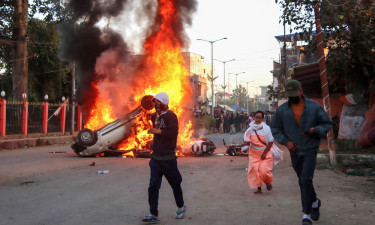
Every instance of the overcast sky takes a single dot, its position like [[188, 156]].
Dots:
[[250, 26]]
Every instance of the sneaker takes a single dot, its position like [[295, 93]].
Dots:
[[306, 222], [181, 214], [151, 219], [315, 214]]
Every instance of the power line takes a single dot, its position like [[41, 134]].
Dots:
[[32, 42], [52, 71], [14, 60], [338, 4]]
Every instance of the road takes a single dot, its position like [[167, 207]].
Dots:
[[51, 185]]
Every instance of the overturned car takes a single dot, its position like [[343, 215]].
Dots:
[[91, 142], [105, 140]]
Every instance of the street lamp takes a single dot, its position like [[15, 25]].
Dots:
[[236, 77], [224, 86], [248, 95], [238, 105], [212, 69]]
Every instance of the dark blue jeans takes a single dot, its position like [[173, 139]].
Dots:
[[170, 171], [304, 165]]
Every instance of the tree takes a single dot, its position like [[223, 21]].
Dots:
[[348, 34], [275, 94], [47, 73], [20, 49], [240, 95]]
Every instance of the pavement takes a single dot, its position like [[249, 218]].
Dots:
[[52, 185], [33, 140]]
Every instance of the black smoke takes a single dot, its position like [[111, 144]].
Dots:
[[82, 42]]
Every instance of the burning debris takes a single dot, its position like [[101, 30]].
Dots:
[[108, 139], [93, 142], [203, 146], [113, 78]]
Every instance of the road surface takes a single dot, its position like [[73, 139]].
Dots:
[[51, 185]]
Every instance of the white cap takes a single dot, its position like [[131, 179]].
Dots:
[[162, 97]]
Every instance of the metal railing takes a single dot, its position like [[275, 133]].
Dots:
[[14, 118]]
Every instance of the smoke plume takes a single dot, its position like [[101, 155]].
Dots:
[[105, 62]]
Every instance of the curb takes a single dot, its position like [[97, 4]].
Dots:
[[348, 159], [34, 142]]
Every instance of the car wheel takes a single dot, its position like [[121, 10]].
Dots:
[[87, 137]]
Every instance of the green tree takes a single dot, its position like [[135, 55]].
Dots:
[[349, 32], [275, 94], [240, 95], [28, 49]]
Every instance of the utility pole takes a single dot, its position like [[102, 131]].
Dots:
[[324, 82], [224, 86], [247, 99], [237, 87], [284, 60], [73, 96], [212, 70]]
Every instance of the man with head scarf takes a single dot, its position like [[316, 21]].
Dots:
[[163, 159], [299, 124]]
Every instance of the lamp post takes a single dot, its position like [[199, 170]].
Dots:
[[212, 69], [236, 77], [248, 95], [237, 87], [224, 86]]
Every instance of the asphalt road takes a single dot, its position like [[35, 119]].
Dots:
[[51, 185]]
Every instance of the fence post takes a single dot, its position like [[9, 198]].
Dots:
[[3, 115], [45, 114], [63, 117], [79, 118], [25, 114]]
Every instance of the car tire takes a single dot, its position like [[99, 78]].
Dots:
[[87, 137]]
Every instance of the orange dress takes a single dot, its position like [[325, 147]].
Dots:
[[259, 171]]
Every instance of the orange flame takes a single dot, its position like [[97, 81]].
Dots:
[[100, 114], [167, 73]]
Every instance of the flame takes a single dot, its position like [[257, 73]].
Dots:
[[100, 114], [167, 73]]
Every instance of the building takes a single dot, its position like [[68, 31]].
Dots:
[[200, 72]]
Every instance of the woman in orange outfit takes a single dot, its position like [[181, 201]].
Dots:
[[260, 155]]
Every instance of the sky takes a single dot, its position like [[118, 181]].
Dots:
[[250, 27]]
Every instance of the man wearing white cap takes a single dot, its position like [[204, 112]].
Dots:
[[163, 159]]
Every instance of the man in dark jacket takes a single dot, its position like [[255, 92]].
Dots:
[[299, 124], [163, 159]]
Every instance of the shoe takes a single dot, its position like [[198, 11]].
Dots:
[[151, 219], [269, 186], [259, 191], [315, 214], [306, 222], [181, 214]]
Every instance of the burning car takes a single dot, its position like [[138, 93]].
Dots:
[[236, 149], [91, 142]]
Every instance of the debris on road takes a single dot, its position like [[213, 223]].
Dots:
[[236, 149], [92, 164], [102, 171]]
